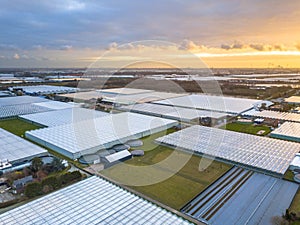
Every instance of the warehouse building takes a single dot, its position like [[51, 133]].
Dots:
[[89, 136], [266, 155], [91, 201], [293, 100]]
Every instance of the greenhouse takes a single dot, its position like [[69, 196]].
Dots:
[[64, 116], [20, 100], [89, 136], [214, 103], [287, 131], [16, 149], [173, 112], [44, 89], [283, 116], [257, 153], [91, 201]]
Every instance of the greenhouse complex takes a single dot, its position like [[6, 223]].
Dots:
[[242, 157]]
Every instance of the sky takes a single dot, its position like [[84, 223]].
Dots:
[[183, 33]]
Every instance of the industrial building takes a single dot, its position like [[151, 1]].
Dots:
[[63, 116], [17, 150], [177, 113], [89, 136], [91, 201], [266, 155], [214, 103], [287, 131]]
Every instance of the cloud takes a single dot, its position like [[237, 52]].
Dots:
[[16, 56], [66, 47], [189, 45], [8, 47], [298, 46]]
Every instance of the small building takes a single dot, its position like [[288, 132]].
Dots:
[[117, 157], [19, 184]]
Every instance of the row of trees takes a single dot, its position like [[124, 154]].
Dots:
[[51, 183]]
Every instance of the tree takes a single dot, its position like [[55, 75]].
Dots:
[[57, 164], [33, 189], [36, 164]]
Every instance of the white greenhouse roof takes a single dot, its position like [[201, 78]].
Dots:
[[20, 100], [288, 129], [45, 89], [214, 103], [117, 156], [124, 91], [89, 136], [293, 99], [64, 116], [20, 109], [14, 148], [85, 96], [172, 112], [286, 116], [252, 151], [91, 201], [142, 97], [55, 105]]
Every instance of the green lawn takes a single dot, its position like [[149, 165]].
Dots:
[[247, 128], [181, 186], [295, 206], [17, 126]]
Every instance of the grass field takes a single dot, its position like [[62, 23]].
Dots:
[[247, 128], [180, 187], [16, 126]]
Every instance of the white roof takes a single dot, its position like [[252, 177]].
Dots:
[[214, 103], [250, 150], [289, 129], [64, 116], [45, 89], [117, 156], [15, 148], [293, 99], [55, 105], [296, 161], [286, 116], [86, 95], [172, 112], [125, 91], [142, 97], [99, 133], [91, 201], [20, 100]]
